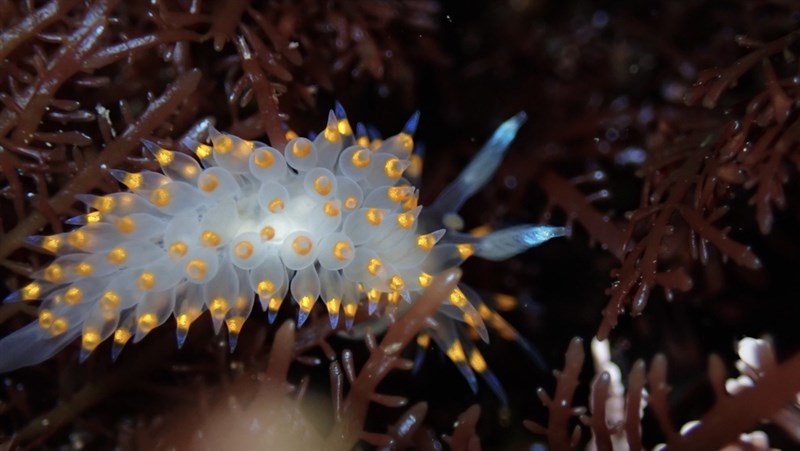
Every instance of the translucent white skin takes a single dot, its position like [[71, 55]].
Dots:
[[328, 219]]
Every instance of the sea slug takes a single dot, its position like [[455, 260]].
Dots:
[[328, 219]]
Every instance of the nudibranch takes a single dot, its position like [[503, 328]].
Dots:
[[330, 218]]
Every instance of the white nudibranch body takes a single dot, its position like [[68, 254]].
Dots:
[[328, 219]]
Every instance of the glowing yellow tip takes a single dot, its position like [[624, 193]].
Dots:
[[425, 279], [342, 250], [306, 303], [109, 301], [323, 185], [396, 283], [423, 340], [302, 245], [223, 144], [31, 291], [121, 336], [164, 157], [301, 148], [351, 203], [343, 126], [160, 197], [426, 242], [410, 203], [407, 141], [332, 134], [398, 194], [415, 168], [350, 310], [331, 208], [73, 295], [267, 233], [243, 250], [333, 305], [104, 204], [117, 255], [362, 141], [375, 144], [505, 302], [77, 238], [456, 352], [196, 269], [84, 269], [265, 288], [51, 243], [183, 321], [125, 225], [208, 182], [54, 273], [276, 205], [94, 217], [263, 159], [218, 307], [202, 151], [374, 266], [481, 230], [209, 238], [373, 296], [290, 135], [393, 297], [476, 361], [469, 319], [361, 158], [393, 168], [465, 250], [274, 304], [59, 326], [133, 181], [146, 280], [234, 324], [90, 339], [485, 312], [374, 216], [178, 250], [146, 322], [458, 298], [45, 318], [405, 220]]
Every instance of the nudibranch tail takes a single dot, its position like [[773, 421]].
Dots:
[[331, 219]]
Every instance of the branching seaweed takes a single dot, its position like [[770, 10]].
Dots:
[[692, 173], [732, 413]]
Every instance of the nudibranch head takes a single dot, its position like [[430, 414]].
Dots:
[[328, 219]]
